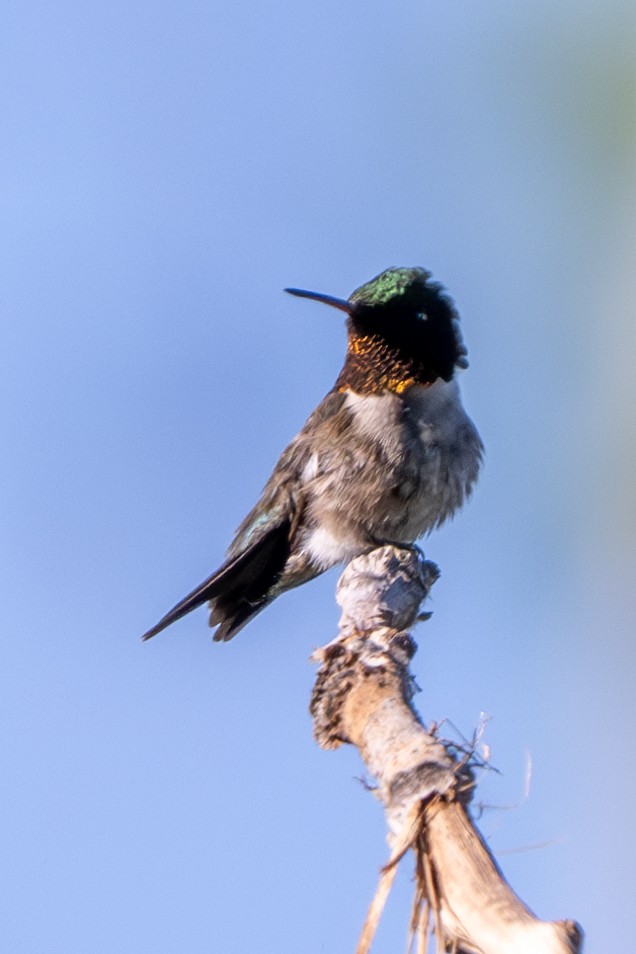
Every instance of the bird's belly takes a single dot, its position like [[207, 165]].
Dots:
[[416, 466], [415, 497], [406, 469], [397, 504]]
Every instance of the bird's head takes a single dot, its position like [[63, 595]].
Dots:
[[403, 330]]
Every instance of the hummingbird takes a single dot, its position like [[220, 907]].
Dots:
[[388, 455]]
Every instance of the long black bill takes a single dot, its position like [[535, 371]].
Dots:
[[340, 303]]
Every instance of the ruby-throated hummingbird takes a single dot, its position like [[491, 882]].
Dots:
[[388, 454]]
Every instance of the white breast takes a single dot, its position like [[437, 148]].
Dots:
[[379, 418], [437, 412], [431, 452]]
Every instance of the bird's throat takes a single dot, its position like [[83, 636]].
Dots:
[[372, 366]]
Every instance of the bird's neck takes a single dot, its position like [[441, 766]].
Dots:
[[372, 366]]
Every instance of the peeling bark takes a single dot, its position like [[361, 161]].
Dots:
[[363, 696]]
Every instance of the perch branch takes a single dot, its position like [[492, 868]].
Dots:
[[363, 696]]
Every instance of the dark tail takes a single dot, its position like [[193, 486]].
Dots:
[[239, 589]]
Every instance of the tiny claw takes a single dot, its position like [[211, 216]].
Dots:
[[412, 548], [424, 617]]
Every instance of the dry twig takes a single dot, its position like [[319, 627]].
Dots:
[[363, 695]]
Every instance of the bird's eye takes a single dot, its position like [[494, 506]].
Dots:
[[422, 316]]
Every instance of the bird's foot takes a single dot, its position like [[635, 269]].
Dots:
[[401, 545]]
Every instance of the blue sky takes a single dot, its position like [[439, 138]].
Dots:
[[166, 170]]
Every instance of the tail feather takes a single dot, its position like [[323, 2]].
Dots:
[[239, 589]]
